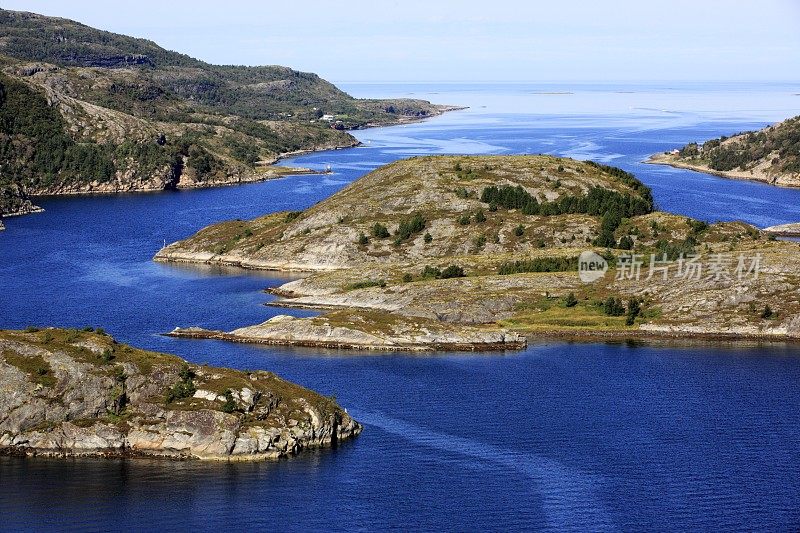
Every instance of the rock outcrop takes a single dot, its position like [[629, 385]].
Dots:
[[65, 392], [335, 331], [14, 201]]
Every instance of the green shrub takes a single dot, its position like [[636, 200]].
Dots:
[[107, 356], [461, 192], [428, 238], [613, 307], [519, 231], [597, 201], [230, 403], [431, 272], [407, 278], [570, 300], [697, 226], [379, 231], [480, 218], [625, 243], [185, 388], [363, 240], [634, 310], [410, 226], [453, 271], [465, 219]]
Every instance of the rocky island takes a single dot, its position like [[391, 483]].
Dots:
[[770, 155], [70, 392], [89, 111], [476, 253]]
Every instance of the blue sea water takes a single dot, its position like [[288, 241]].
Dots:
[[615, 436]]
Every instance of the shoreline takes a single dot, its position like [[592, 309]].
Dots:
[[666, 160], [130, 453], [219, 260], [196, 333], [254, 178], [671, 337], [658, 335], [275, 171]]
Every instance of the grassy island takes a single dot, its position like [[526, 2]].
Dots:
[[457, 252]]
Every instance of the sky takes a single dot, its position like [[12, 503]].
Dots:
[[468, 40]]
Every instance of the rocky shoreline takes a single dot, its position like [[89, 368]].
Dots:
[[784, 230], [757, 174], [167, 181], [284, 330], [116, 187], [79, 393]]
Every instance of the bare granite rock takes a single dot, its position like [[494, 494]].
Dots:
[[362, 331], [80, 393]]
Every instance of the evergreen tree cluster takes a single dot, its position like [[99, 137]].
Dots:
[[750, 148], [597, 201], [613, 206], [539, 264], [409, 226]]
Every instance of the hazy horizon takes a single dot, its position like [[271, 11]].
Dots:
[[508, 42]]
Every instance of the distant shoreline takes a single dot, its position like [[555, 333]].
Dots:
[[672, 161], [270, 170]]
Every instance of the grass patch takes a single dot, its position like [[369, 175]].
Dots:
[[552, 314], [37, 369]]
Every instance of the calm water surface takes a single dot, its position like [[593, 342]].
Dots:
[[561, 436]]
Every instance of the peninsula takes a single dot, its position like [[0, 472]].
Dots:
[[770, 155], [477, 252], [89, 111], [70, 393]]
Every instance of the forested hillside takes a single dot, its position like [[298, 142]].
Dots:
[[85, 110], [771, 154]]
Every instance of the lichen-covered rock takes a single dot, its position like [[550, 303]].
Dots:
[[80, 393]]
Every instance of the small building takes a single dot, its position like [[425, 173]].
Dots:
[[327, 118]]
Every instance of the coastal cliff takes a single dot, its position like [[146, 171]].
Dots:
[[770, 155], [69, 392], [87, 111], [476, 253]]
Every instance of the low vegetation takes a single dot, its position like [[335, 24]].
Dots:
[[454, 239]]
